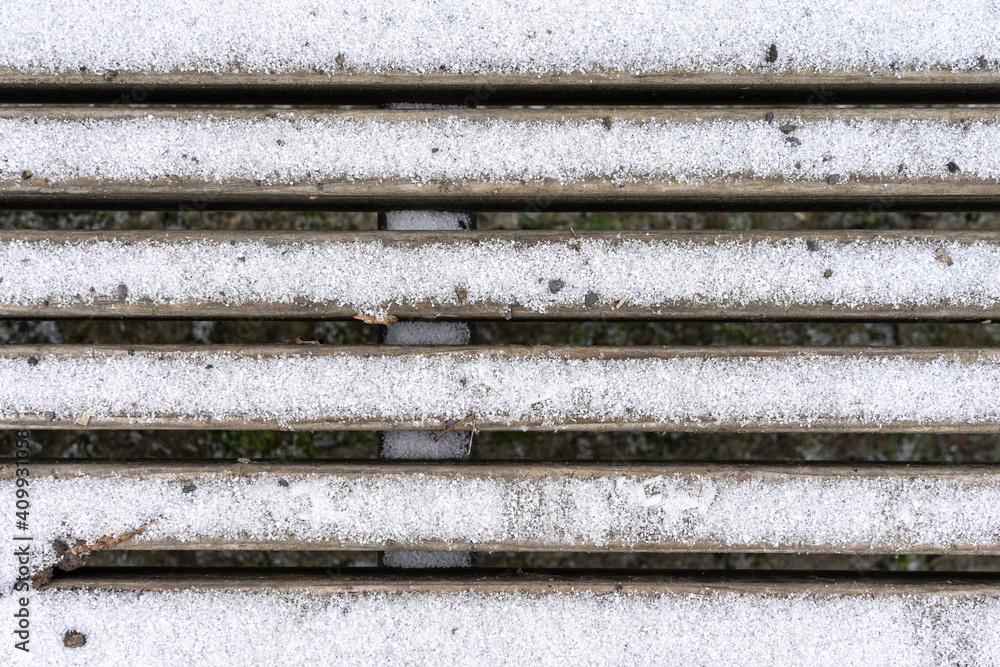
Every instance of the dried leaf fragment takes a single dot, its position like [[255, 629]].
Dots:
[[371, 319]]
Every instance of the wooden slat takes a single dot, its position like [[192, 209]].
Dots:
[[955, 192], [70, 397], [349, 87], [360, 581], [253, 617], [70, 302], [761, 492]]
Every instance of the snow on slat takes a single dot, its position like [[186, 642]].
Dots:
[[833, 508], [502, 159], [527, 619], [412, 387], [488, 36], [725, 275]]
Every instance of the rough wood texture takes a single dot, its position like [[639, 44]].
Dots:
[[349, 87], [505, 309], [197, 472], [337, 423], [326, 582], [955, 194]]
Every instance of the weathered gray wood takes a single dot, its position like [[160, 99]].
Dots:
[[201, 472], [341, 422], [351, 87], [327, 582], [955, 194], [505, 309]]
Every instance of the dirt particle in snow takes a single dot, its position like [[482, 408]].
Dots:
[[833, 179], [769, 116], [188, 488], [26, 174], [943, 257], [74, 639], [122, 291], [812, 246], [339, 59], [283, 482], [788, 129], [41, 578], [607, 122], [953, 168], [827, 273], [556, 285], [772, 54], [982, 63], [591, 299], [32, 361]]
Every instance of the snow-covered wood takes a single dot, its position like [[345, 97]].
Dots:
[[488, 51], [509, 275], [431, 387], [534, 159], [536, 619]]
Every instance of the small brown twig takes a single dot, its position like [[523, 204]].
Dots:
[[460, 422], [110, 541], [472, 434]]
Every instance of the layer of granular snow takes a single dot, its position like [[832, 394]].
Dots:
[[484, 36], [289, 148], [189, 627], [426, 559], [427, 221], [894, 512], [542, 388], [370, 276], [424, 445], [427, 333]]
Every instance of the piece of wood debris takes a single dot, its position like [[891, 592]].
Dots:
[[621, 303], [371, 319], [461, 422], [84, 418], [111, 541], [299, 340]]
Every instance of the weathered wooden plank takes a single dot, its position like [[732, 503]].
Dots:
[[480, 618], [564, 159], [747, 389], [597, 87], [361, 581], [753, 275], [858, 508]]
